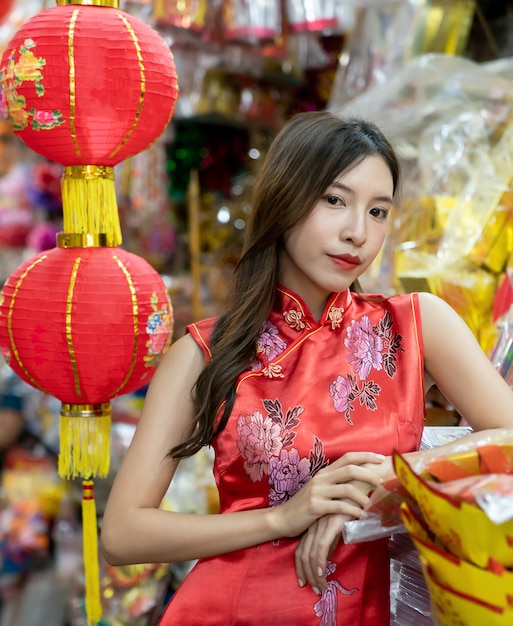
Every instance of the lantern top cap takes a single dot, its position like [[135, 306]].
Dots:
[[97, 3], [85, 240]]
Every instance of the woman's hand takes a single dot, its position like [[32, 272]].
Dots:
[[333, 490], [316, 546], [322, 537]]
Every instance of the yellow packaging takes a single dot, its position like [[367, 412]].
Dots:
[[495, 243], [465, 529], [453, 608], [484, 585]]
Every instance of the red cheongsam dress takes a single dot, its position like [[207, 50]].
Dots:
[[352, 381]]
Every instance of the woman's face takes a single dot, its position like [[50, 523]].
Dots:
[[341, 236]]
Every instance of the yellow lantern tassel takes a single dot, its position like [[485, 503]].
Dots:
[[93, 604], [89, 203], [84, 440]]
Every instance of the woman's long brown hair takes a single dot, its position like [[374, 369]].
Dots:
[[306, 156]]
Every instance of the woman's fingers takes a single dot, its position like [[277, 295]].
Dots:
[[314, 549], [352, 501], [303, 565], [306, 557], [355, 473], [358, 458]]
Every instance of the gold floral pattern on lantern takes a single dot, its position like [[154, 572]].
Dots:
[[27, 68], [157, 328]]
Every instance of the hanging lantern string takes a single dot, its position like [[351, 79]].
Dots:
[[90, 551], [85, 452], [89, 203]]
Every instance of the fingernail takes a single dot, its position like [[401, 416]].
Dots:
[[381, 456], [300, 582], [320, 571], [316, 591]]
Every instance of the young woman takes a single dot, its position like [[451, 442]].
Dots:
[[304, 389]]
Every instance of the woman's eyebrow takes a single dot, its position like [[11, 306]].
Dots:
[[343, 187]]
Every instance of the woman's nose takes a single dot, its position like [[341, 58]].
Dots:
[[355, 230]]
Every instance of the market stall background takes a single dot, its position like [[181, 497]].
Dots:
[[437, 75]]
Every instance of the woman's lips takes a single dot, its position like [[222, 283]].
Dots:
[[346, 261]]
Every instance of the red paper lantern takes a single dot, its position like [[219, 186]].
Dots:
[[85, 325], [46, 332], [88, 85]]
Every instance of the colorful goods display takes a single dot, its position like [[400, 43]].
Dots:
[[259, 21], [86, 320], [503, 300], [31, 491], [135, 590], [188, 14], [388, 34], [457, 509], [502, 353], [464, 548], [489, 585]]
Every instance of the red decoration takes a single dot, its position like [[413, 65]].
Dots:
[[503, 299], [5, 9], [86, 85], [99, 82], [85, 324]]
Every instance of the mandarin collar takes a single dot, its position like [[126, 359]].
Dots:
[[291, 303]]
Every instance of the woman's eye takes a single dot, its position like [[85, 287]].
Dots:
[[379, 212], [334, 200]]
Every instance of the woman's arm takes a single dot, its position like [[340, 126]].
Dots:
[[136, 530], [464, 374], [461, 370]]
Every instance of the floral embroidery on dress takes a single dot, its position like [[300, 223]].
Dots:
[[260, 439], [268, 346], [364, 346], [266, 445], [326, 607], [287, 474], [335, 315], [369, 348], [294, 319]]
